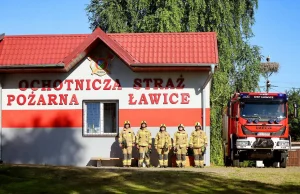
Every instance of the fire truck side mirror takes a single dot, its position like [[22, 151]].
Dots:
[[237, 117], [295, 110]]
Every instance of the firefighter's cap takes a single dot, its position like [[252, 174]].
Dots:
[[126, 123], [181, 125], [163, 125], [197, 124], [144, 122]]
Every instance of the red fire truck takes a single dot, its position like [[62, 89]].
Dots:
[[255, 127]]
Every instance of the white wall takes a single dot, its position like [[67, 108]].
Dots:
[[65, 146]]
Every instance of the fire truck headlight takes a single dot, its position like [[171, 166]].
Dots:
[[270, 121], [283, 143], [242, 143], [256, 121]]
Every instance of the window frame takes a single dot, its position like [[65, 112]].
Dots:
[[101, 104]]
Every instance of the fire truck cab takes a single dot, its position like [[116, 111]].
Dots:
[[255, 127]]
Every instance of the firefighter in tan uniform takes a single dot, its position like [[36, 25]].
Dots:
[[144, 143], [198, 142], [163, 145], [126, 140], [180, 144]]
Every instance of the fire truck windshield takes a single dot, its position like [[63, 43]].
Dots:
[[263, 109]]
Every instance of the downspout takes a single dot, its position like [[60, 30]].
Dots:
[[207, 154], [1, 159]]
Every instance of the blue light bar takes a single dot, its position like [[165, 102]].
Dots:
[[260, 96]]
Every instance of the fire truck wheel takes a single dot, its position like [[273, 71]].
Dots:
[[226, 160]]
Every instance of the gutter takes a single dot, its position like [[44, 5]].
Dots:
[[208, 79], [170, 65], [1, 159], [32, 66]]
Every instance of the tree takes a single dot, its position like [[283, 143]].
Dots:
[[231, 19], [294, 123]]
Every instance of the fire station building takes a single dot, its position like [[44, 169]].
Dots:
[[64, 98]]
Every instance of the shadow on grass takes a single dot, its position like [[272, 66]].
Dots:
[[83, 180]]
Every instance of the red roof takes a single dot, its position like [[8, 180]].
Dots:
[[135, 49]]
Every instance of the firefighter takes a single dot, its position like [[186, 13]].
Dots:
[[163, 145], [198, 142], [144, 143], [126, 140], [180, 145]]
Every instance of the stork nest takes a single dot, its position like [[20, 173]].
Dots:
[[269, 67]]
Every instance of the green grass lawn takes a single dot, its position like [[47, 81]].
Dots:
[[72, 180]]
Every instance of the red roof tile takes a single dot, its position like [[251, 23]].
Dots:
[[159, 48], [132, 48], [41, 49]]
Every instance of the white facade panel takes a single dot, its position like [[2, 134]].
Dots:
[[192, 83]]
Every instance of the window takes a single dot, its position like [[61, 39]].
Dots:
[[270, 109], [100, 118]]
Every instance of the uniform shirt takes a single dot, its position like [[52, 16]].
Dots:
[[198, 139], [128, 135], [180, 138], [144, 137], [161, 138]]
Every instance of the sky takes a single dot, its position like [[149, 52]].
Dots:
[[276, 29]]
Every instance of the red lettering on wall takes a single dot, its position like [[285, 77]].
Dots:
[[158, 83], [107, 84], [74, 100], [137, 83], [185, 98], [180, 84], [21, 99], [171, 98], [31, 98], [170, 84], [23, 85], [94, 84], [10, 99], [117, 85], [68, 82], [143, 99], [88, 82], [131, 102], [165, 98], [154, 98], [41, 100], [79, 84], [46, 85], [52, 99], [57, 84], [147, 80], [32, 84], [63, 99]]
